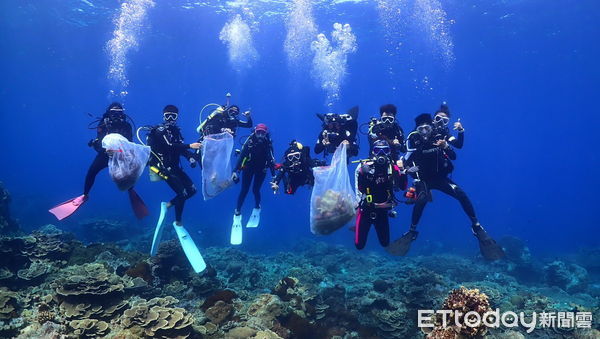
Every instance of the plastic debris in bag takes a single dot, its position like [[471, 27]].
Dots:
[[216, 164], [127, 160], [333, 201]]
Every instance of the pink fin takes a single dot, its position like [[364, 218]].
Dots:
[[139, 208], [68, 207]]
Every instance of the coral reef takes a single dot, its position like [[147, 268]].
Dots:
[[464, 301], [58, 287], [88, 292], [156, 318], [569, 277]]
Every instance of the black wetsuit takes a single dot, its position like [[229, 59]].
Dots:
[[109, 123], [376, 185], [389, 132], [219, 122], [443, 132], [296, 173], [256, 156], [335, 136], [435, 164], [168, 147]]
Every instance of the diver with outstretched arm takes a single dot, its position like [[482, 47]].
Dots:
[[254, 160], [168, 147], [114, 120], [377, 179], [225, 119], [296, 169], [433, 157]]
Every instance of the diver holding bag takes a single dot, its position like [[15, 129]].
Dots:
[[216, 164], [126, 160], [113, 122], [333, 201]]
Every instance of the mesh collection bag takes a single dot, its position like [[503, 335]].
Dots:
[[126, 160], [332, 203], [216, 164]]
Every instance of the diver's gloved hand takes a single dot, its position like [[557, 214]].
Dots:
[[234, 177], [274, 187], [458, 126], [441, 143], [246, 114]]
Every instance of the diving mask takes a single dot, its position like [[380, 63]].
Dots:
[[294, 156], [170, 116], [381, 150], [388, 119], [424, 129], [441, 119]]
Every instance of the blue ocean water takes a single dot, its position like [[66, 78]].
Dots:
[[521, 75]]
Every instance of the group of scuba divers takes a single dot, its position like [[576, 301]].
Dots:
[[425, 155]]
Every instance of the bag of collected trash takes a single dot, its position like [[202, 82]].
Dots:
[[332, 203], [126, 160], [216, 164]]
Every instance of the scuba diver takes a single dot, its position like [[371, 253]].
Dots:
[[387, 128], [296, 168], [167, 146], [114, 120], [441, 130], [433, 157], [224, 119], [254, 160], [337, 128], [376, 180]]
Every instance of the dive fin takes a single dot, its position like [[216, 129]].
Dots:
[[159, 228], [68, 207], [236, 230], [254, 218], [190, 249], [488, 247], [401, 245], [137, 204]]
